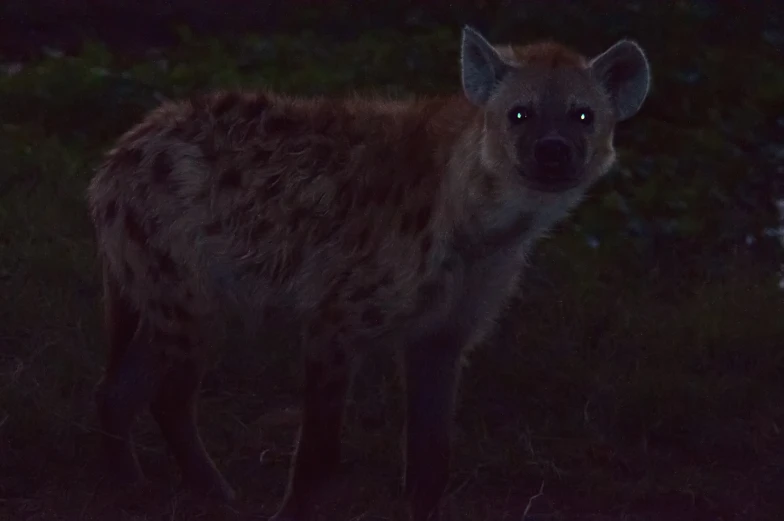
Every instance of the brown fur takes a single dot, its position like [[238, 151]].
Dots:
[[372, 222]]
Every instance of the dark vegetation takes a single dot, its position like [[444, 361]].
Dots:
[[640, 374]]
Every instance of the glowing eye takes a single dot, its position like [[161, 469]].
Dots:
[[520, 114], [583, 115]]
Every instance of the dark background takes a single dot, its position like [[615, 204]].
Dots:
[[640, 373]]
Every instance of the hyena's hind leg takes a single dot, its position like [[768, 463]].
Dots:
[[174, 409], [161, 367], [127, 383]]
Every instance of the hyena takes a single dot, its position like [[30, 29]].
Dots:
[[371, 222]]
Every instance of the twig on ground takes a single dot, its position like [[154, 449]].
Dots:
[[531, 501]]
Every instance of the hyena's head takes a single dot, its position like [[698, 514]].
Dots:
[[549, 113]]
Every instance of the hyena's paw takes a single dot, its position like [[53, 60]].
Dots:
[[449, 511], [121, 479], [291, 511], [280, 516], [124, 477], [446, 511], [211, 485], [121, 468]]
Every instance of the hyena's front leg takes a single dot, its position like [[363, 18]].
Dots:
[[328, 375], [431, 374]]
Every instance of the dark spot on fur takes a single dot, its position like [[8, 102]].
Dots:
[[386, 280], [333, 315], [230, 178], [166, 263], [202, 195], [297, 218], [286, 268], [343, 278], [397, 195], [110, 212], [181, 314], [327, 302], [427, 294], [406, 223], [261, 156], [364, 197], [280, 123], [324, 120], [322, 154], [208, 150], [261, 229], [363, 238], [198, 103], [225, 102], [343, 208], [342, 331], [154, 274], [423, 218], [242, 211], [254, 107], [334, 390], [213, 228], [161, 167], [372, 316], [380, 194], [489, 186], [171, 339], [449, 264], [339, 357], [134, 229], [129, 274], [316, 327], [415, 180], [427, 243], [362, 293], [314, 375], [153, 225], [271, 312], [272, 187], [166, 311]]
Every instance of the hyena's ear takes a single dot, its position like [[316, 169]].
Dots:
[[624, 72], [481, 66]]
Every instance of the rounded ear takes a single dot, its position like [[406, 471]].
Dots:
[[624, 72], [481, 66]]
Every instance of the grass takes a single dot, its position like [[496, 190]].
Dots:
[[640, 379]]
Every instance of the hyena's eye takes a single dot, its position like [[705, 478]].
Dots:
[[582, 115], [520, 114]]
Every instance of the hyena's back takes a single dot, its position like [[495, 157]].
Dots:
[[255, 197]]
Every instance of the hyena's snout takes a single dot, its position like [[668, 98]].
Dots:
[[552, 165], [554, 157]]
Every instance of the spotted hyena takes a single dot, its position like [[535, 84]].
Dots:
[[370, 222]]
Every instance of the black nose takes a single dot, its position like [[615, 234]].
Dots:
[[552, 153]]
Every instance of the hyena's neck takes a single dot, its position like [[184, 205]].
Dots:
[[477, 211]]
